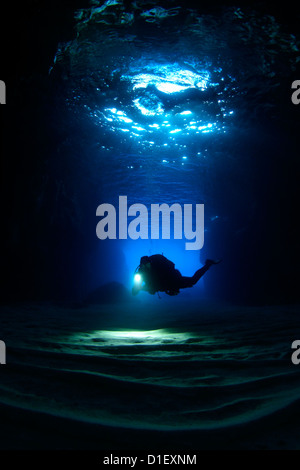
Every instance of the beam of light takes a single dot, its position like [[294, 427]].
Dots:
[[137, 278]]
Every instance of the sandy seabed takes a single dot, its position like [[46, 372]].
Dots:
[[161, 374]]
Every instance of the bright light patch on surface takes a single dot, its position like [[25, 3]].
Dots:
[[146, 337], [150, 111], [170, 87], [133, 334], [207, 128], [106, 342], [171, 79], [118, 115], [153, 118], [125, 337]]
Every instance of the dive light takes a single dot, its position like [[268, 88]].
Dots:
[[137, 278]]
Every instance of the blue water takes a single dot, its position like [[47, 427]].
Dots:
[[162, 102], [165, 103]]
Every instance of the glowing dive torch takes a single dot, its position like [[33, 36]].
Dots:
[[137, 278], [137, 283]]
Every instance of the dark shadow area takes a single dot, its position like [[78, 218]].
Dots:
[[113, 292]]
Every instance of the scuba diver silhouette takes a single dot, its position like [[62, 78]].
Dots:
[[157, 273]]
